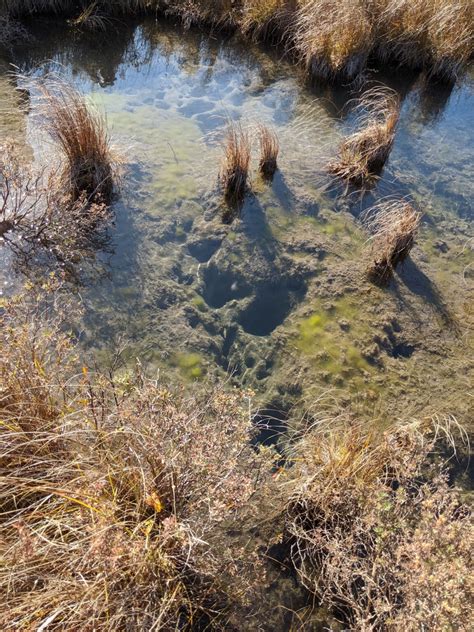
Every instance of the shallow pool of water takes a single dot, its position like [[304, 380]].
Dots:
[[277, 298]]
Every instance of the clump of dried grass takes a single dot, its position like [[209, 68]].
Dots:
[[333, 39], [363, 154], [378, 534], [394, 224], [79, 131], [269, 150], [235, 165], [114, 492]]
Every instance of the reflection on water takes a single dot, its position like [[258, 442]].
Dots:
[[279, 296]]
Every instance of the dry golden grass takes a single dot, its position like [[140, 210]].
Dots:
[[235, 164], [393, 224], [363, 155], [113, 492], [80, 133], [378, 534], [333, 39], [269, 150]]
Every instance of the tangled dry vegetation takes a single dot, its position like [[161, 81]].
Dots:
[[333, 40], [59, 211], [114, 493], [378, 534], [393, 224], [363, 154]]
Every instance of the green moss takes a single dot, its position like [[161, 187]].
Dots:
[[190, 365], [199, 303]]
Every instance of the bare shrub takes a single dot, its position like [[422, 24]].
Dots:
[[115, 492], [363, 155], [394, 224], [375, 527], [269, 150], [39, 219]]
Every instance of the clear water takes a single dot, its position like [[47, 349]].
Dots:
[[278, 298]]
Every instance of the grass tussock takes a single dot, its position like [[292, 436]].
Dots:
[[269, 150], [394, 225], [80, 132], [378, 534], [363, 154], [333, 39], [235, 164], [114, 492]]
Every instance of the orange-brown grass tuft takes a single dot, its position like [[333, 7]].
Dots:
[[80, 133], [269, 150], [363, 155], [236, 162], [114, 491], [333, 39], [379, 536], [394, 225]]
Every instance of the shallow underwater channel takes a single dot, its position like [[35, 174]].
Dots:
[[277, 299]]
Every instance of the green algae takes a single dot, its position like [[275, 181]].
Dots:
[[190, 365]]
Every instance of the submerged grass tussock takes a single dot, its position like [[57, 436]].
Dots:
[[394, 224], [378, 535], [269, 150], [79, 131], [114, 491], [235, 165], [363, 155]]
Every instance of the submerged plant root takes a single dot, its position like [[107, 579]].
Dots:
[[394, 224], [269, 150], [235, 165], [363, 155]]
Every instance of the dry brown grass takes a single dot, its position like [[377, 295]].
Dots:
[[79, 131], [393, 224], [269, 150], [378, 534], [363, 155], [333, 39], [114, 491], [235, 165]]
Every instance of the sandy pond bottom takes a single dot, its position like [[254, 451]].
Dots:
[[278, 298]]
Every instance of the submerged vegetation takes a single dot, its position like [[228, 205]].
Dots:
[[393, 224], [333, 40]]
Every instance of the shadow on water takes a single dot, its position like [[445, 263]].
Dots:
[[416, 281]]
